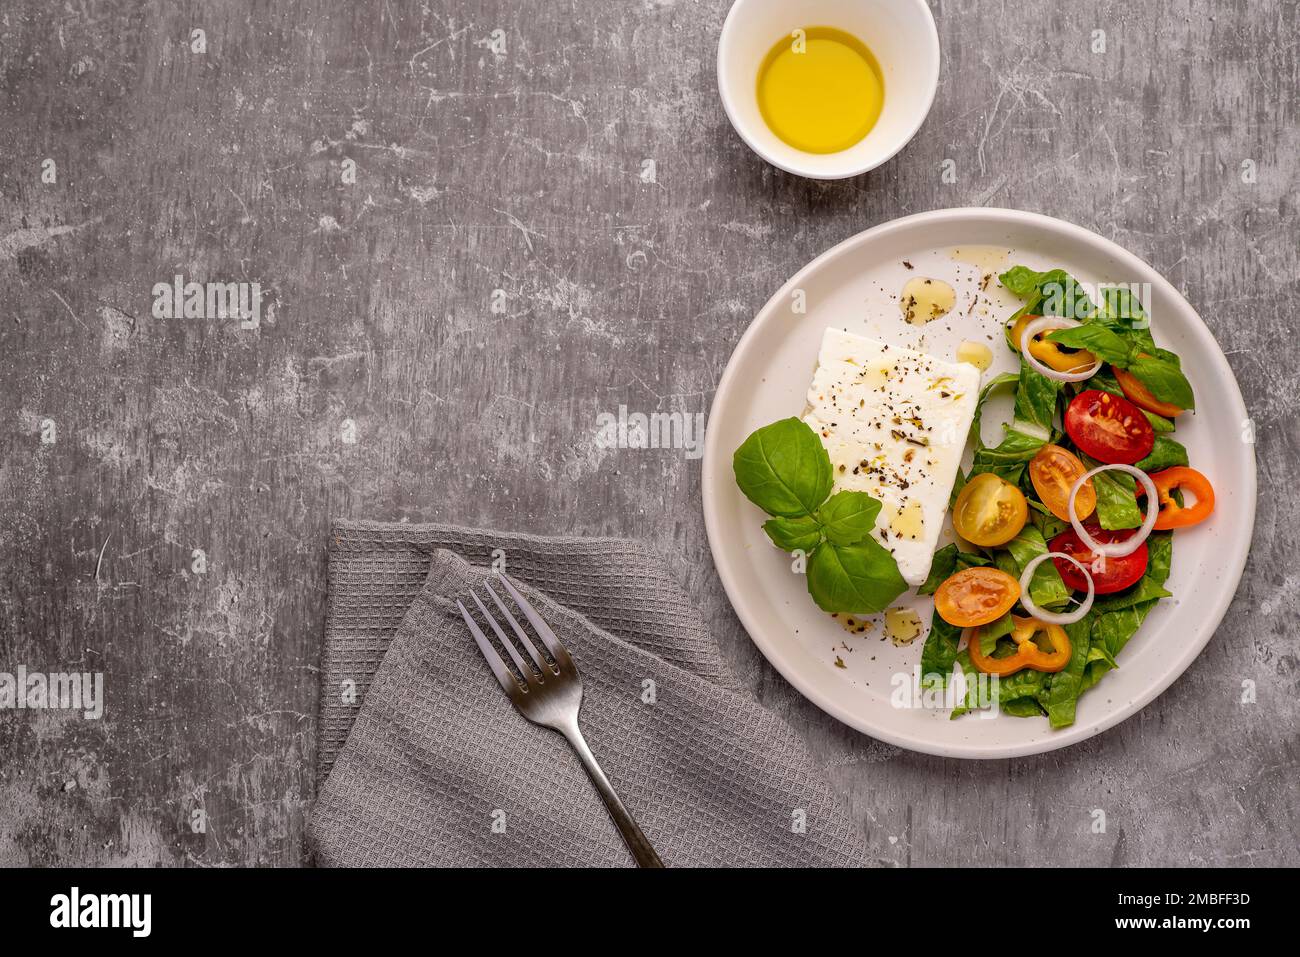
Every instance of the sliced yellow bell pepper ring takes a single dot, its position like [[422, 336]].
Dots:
[[1049, 353]]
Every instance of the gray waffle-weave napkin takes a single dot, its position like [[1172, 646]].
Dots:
[[425, 761]]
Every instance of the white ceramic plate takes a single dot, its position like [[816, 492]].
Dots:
[[855, 287]]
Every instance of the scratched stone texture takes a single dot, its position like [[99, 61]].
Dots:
[[518, 168]]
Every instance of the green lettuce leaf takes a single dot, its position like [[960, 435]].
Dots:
[[1061, 699], [1113, 627], [945, 563], [997, 382], [1008, 459], [1117, 505], [990, 633], [1046, 588]]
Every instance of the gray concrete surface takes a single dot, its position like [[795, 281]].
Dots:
[[516, 164]]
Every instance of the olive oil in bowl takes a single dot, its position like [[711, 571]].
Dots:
[[820, 90]]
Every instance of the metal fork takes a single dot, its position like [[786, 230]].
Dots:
[[551, 695]]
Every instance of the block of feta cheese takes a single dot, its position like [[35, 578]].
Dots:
[[894, 422]]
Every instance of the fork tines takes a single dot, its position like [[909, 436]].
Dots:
[[537, 667]]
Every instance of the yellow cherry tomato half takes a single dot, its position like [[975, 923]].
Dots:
[[1054, 471], [989, 511]]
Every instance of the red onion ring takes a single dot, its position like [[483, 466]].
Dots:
[[1052, 617], [1130, 544], [1047, 324]]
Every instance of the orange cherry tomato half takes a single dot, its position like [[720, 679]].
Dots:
[[1109, 428], [1029, 652], [1054, 471], [1173, 515], [1049, 353], [1140, 395], [976, 596], [989, 511]]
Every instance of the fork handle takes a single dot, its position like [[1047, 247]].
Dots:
[[632, 836]]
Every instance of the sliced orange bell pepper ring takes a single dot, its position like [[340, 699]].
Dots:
[[1028, 654], [1173, 515]]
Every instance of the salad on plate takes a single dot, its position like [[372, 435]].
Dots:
[[1062, 531]]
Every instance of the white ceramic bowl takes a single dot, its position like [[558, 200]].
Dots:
[[901, 34]]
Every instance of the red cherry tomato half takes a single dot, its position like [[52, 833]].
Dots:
[[1109, 428], [1109, 574]]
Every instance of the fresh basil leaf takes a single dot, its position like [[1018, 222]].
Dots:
[[848, 517], [794, 534], [856, 579], [1035, 407], [1121, 309], [1117, 505], [1163, 379], [1102, 342], [1053, 292], [1008, 459], [946, 562], [1105, 381], [1158, 422], [1064, 296], [1046, 588], [1165, 454], [1024, 282], [783, 469]]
